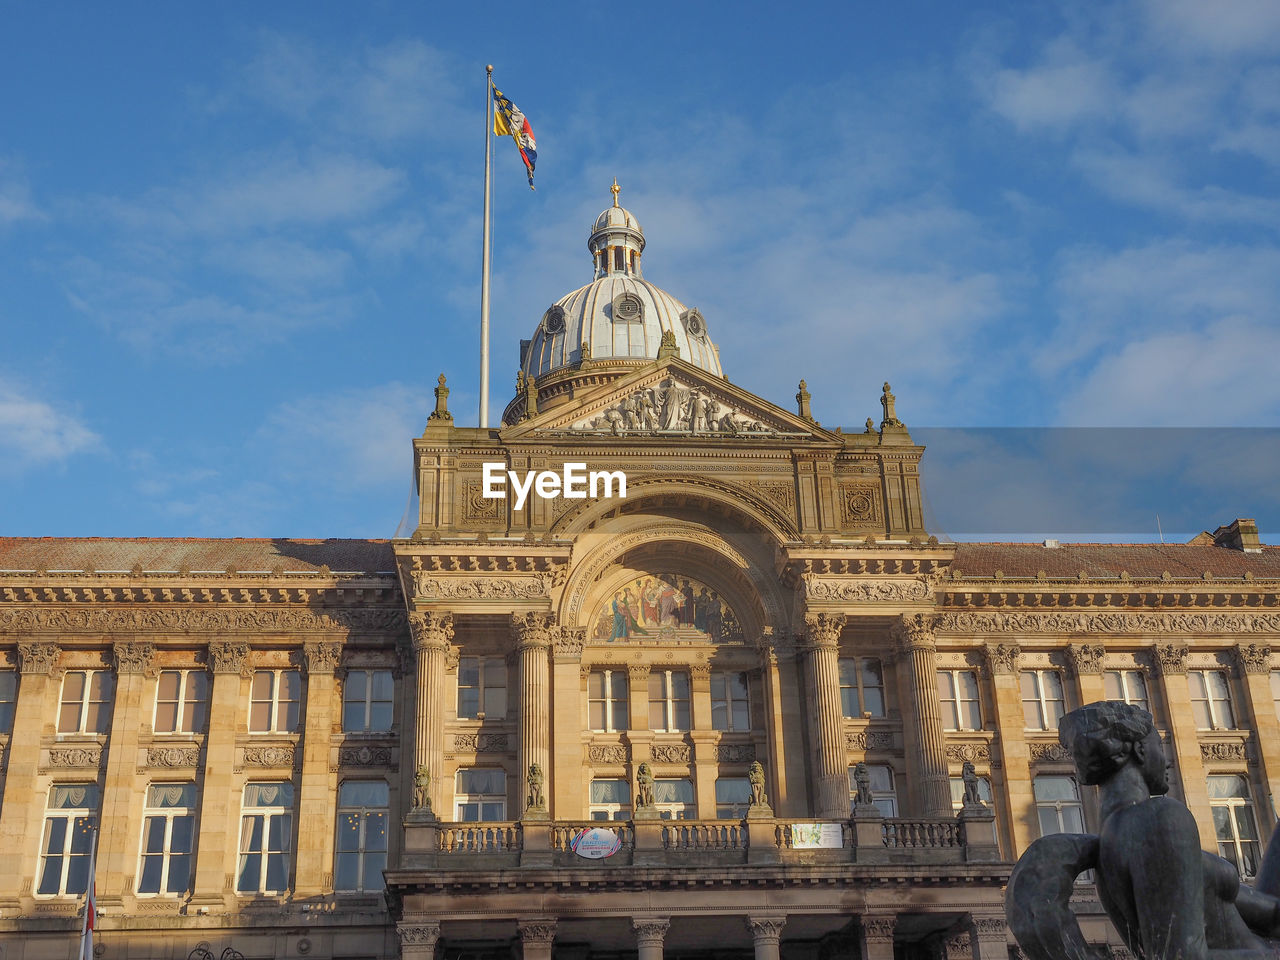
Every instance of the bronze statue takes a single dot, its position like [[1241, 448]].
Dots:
[[1168, 898]]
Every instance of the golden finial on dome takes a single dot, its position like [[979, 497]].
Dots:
[[615, 190]]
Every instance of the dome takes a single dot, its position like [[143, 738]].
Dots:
[[619, 315]]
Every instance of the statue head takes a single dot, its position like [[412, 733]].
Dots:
[[1106, 736]]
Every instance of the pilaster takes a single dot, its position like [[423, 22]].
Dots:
[[566, 791], [1254, 661], [1015, 756], [431, 632], [783, 688], [705, 766], [23, 806], [926, 744], [122, 800], [990, 938], [1085, 660], [1171, 669], [219, 804], [533, 634], [877, 937], [317, 800]]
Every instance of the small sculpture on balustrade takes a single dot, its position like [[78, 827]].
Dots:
[[422, 791], [644, 787], [1165, 896], [536, 799], [862, 789], [972, 799], [755, 777]]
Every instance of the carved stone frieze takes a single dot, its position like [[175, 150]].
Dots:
[[674, 406], [865, 591], [1109, 623], [878, 929], [735, 752], [226, 656], [823, 629], [364, 755], [1003, 657], [781, 495], [90, 756], [274, 756], [1171, 658], [414, 934], [476, 507], [569, 642], [431, 629], [321, 657], [430, 586], [38, 657], [480, 742], [131, 657], [670, 752], [175, 756], [1047, 752], [1086, 658], [990, 928], [607, 753], [863, 740], [970, 752], [1223, 750], [215, 620], [1254, 657]]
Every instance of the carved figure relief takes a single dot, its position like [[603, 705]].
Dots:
[[665, 606], [671, 406]]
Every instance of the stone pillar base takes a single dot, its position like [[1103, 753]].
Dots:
[[868, 837], [762, 839]]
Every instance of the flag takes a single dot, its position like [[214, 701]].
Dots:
[[90, 905], [509, 121]]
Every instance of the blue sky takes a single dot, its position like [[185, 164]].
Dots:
[[238, 242]]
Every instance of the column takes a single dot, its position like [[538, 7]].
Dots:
[[567, 793], [990, 938], [766, 933], [783, 692], [1086, 664], [926, 746], [877, 937], [650, 932], [822, 634], [431, 632], [704, 766], [1171, 666], [219, 804], [1255, 667], [121, 821], [536, 937], [533, 633], [418, 939], [20, 817], [317, 810], [1015, 755]]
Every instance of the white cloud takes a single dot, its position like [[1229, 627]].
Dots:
[[1067, 86], [1222, 28], [34, 433], [16, 202]]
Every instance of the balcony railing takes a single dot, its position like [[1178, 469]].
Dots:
[[920, 834], [711, 835], [480, 838]]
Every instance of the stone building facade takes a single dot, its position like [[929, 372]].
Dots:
[[756, 672]]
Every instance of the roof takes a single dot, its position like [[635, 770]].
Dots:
[[1109, 561], [105, 554]]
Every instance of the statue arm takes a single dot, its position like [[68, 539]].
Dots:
[[1036, 899]]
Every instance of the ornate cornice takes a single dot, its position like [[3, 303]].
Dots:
[[1254, 657], [1003, 657], [430, 587], [1155, 624], [198, 619], [38, 658], [823, 629], [1086, 658], [431, 630], [835, 590]]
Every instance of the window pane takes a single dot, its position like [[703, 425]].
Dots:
[[1217, 681], [680, 686], [287, 716], [167, 688], [875, 701], [384, 685], [1138, 687], [166, 717], [290, 685], [262, 684], [946, 686], [1195, 680], [1246, 829], [1048, 789], [495, 702], [657, 714], [150, 880], [610, 791], [468, 702], [353, 715], [1228, 786], [363, 793], [681, 715], [881, 778], [1111, 686], [375, 831], [720, 715], [733, 790], [1222, 821], [741, 720], [354, 688], [968, 685], [1200, 710], [180, 834], [1072, 819], [595, 685], [1027, 682], [179, 874], [595, 715], [971, 716], [950, 716], [1031, 717], [469, 672], [380, 716]]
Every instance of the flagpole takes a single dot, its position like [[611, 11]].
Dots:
[[90, 903], [484, 265]]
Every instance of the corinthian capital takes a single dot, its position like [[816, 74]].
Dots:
[[133, 657], [915, 630], [533, 629], [823, 629], [38, 657], [431, 629], [321, 657]]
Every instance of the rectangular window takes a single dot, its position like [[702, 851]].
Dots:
[[168, 834], [883, 793], [1211, 700], [275, 701], [668, 701], [1234, 823], [266, 833], [607, 700], [733, 795], [8, 698], [610, 800], [182, 701], [367, 700], [958, 694], [730, 707], [619, 263], [1058, 805], [68, 836], [673, 799], [482, 688], [86, 702], [861, 687], [360, 852], [957, 793], [1042, 700], [1127, 685], [480, 794]]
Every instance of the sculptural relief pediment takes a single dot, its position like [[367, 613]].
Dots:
[[671, 400]]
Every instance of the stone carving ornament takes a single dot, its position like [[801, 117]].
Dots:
[[735, 752], [537, 931], [1109, 623], [321, 657], [673, 407], [878, 929], [607, 753], [1254, 657], [1086, 658], [1003, 657], [863, 740], [430, 587], [1047, 752], [75, 756], [650, 931], [431, 629], [281, 756], [419, 933], [38, 658], [176, 619], [1171, 658], [1222, 751], [364, 756], [968, 752], [133, 657], [916, 630], [823, 629], [670, 752], [866, 591], [533, 629], [228, 657], [173, 756]]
